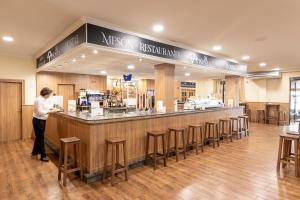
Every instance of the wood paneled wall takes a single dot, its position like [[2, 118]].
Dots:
[[146, 84], [254, 106], [232, 88], [164, 85], [53, 79], [27, 128]]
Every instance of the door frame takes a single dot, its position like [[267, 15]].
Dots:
[[291, 79], [22, 82], [71, 84]]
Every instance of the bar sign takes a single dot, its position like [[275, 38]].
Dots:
[[188, 84]]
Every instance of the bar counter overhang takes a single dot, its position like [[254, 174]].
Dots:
[[93, 131]]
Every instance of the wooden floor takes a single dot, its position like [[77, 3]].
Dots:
[[244, 169]]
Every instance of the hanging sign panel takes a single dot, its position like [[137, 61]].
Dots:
[[131, 43], [74, 39], [188, 84]]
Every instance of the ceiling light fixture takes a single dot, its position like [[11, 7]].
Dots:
[[103, 72], [130, 66], [263, 64], [276, 69], [83, 56], [245, 57], [95, 51], [140, 59], [158, 28], [74, 60], [187, 74], [7, 38], [217, 47]]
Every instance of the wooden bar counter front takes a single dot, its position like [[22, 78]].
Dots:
[[93, 131]]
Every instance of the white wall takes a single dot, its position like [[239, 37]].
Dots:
[[204, 87], [269, 90], [255, 90], [23, 69]]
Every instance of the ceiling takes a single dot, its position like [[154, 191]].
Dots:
[[115, 65], [266, 30]]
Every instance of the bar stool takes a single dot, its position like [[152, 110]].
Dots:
[[116, 167], [176, 132], [63, 158], [212, 133], [245, 124], [235, 126], [155, 155], [225, 129], [195, 143], [284, 151], [260, 116], [281, 118]]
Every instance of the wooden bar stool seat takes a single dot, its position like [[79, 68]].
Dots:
[[155, 156], [225, 129], [245, 124], [63, 166], [116, 167], [176, 132], [197, 137], [285, 156], [235, 126], [212, 133]]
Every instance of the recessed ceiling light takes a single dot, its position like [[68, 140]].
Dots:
[[245, 57], [217, 48], [74, 60], [130, 66], [187, 74], [103, 72], [83, 56], [276, 69], [158, 28], [140, 59], [95, 51], [7, 38], [263, 64]]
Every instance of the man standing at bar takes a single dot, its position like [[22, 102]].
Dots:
[[40, 115]]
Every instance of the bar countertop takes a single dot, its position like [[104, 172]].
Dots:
[[85, 117]]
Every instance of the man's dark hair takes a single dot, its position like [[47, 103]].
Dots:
[[45, 91]]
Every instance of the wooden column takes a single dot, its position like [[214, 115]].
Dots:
[[164, 85], [232, 90]]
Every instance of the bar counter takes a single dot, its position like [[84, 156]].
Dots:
[[93, 131]]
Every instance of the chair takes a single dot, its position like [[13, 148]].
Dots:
[[155, 156], [63, 166], [212, 133], [176, 132], [195, 143], [116, 167]]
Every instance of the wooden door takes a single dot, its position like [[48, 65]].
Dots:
[[10, 111], [68, 93]]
